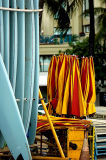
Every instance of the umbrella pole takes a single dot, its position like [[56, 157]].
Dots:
[[51, 125]]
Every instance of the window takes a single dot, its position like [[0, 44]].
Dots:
[[44, 63], [102, 98], [85, 5], [86, 28]]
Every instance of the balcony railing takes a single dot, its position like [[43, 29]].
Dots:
[[55, 39]]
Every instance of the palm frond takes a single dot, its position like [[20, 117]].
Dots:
[[52, 5], [60, 7], [74, 4], [101, 33], [101, 19]]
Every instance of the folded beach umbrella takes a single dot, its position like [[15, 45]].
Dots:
[[66, 97], [71, 81], [85, 78], [82, 102], [53, 78], [75, 110], [51, 81], [61, 85], [92, 92], [58, 68], [48, 80], [76, 100]]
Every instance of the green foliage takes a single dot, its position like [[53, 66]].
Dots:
[[82, 49], [79, 48]]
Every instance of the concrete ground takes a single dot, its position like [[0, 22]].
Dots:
[[101, 110]]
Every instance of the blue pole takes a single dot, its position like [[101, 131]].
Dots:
[[34, 114]]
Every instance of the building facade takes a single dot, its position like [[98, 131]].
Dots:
[[51, 41]]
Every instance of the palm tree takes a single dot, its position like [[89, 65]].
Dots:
[[92, 28], [58, 7], [63, 8]]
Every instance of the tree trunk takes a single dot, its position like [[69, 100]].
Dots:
[[92, 28]]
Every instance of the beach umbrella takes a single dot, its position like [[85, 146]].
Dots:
[[92, 91], [48, 80], [75, 97], [66, 95], [54, 100], [61, 85], [85, 78], [51, 91], [58, 68], [76, 102], [82, 102], [66, 98]]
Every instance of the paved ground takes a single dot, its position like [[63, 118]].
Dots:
[[101, 110]]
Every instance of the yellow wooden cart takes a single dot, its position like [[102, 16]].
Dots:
[[64, 140]]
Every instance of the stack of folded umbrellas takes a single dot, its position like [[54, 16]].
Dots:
[[71, 86]]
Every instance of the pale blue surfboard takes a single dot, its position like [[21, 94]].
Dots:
[[6, 34], [13, 45], [34, 113], [19, 91], [1, 32], [29, 63], [11, 124], [2, 141]]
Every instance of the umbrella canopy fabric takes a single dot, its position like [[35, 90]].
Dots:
[[85, 77], [82, 102], [51, 81], [71, 91], [61, 85], [92, 91]]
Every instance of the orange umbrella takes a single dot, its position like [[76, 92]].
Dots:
[[75, 110], [70, 92], [48, 80], [57, 72], [67, 87], [54, 100], [92, 92], [82, 102], [51, 89], [85, 78], [61, 85]]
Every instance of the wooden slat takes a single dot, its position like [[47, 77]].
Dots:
[[4, 150], [48, 158]]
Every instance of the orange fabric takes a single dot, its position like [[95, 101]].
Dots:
[[75, 110], [92, 92], [71, 91]]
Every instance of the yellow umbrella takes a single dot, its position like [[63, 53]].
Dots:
[[82, 102], [61, 85], [85, 78], [51, 91], [66, 95], [92, 92]]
